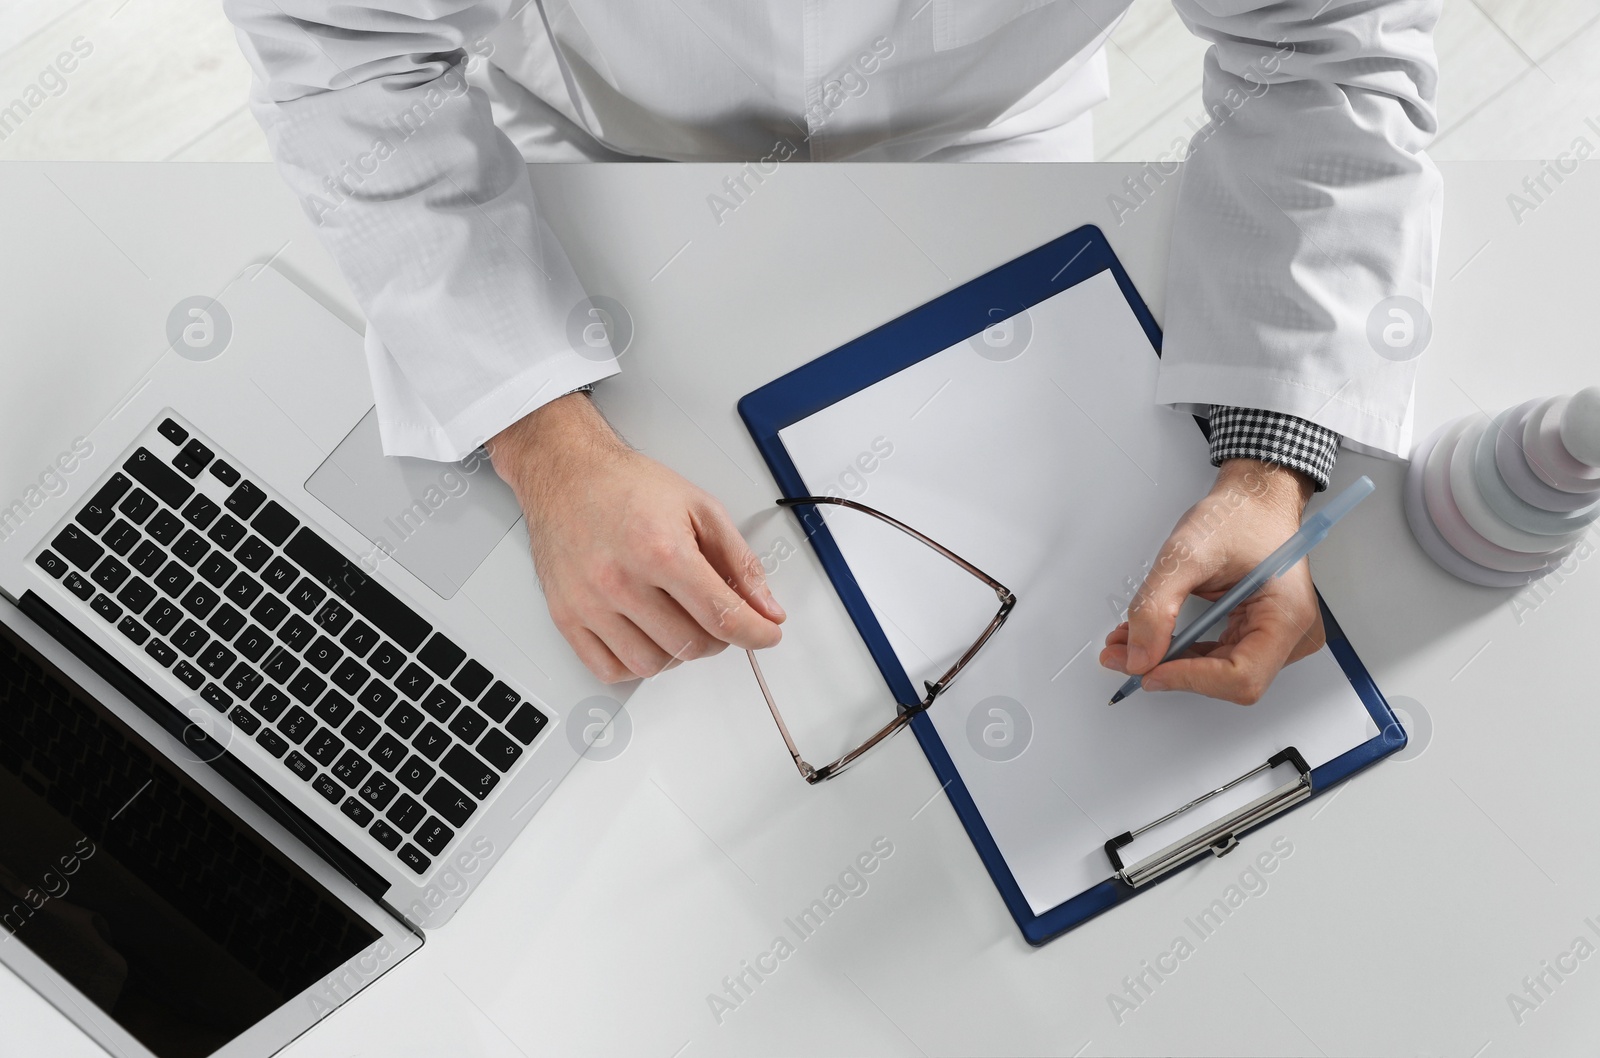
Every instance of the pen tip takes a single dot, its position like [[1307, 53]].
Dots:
[[1115, 698]]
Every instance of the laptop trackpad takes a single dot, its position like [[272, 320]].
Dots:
[[438, 520]]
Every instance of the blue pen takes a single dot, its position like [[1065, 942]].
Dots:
[[1309, 535]]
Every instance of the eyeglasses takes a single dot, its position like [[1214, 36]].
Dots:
[[934, 688]]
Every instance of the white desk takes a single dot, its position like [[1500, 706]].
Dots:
[[1415, 899]]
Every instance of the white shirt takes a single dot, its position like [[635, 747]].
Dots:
[[1304, 205]]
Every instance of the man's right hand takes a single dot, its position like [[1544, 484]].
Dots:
[[641, 569]]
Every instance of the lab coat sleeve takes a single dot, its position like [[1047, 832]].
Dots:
[[428, 210], [1304, 244]]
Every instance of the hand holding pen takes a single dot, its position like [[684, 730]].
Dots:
[[1279, 622]]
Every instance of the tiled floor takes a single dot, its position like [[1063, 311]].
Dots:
[[163, 79]]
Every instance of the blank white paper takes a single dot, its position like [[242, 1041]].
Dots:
[[1056, 472]]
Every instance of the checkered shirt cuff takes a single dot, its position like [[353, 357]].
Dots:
[[1273, 437]]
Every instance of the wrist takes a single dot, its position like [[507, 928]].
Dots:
[[1266, 482], [535, 449]]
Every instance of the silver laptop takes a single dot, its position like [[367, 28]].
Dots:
[[271, 704]]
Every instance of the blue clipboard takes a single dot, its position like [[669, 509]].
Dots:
[[947, 320]]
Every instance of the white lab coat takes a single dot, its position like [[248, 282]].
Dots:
[[1306, 202]]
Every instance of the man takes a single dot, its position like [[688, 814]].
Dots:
[[1304, 204]]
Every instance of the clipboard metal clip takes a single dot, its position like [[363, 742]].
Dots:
[[1220, 837]]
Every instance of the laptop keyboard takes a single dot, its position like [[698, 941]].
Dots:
[[340, 681]]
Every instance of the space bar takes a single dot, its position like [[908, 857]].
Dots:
[[365, 595]]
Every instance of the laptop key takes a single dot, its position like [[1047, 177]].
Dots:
[[414, 682], [193, 458], [253, 643], [147, 558], [188, 675], [110, 573], [468, 725], [269, 611], [107, 609], [476, 777], [499, 750], [526, 725], [79, 586], [164, 617], [164, 528], [274, 522], [327, 788], [296, 633], [334, 708], [412, 857], [433, 836], [244, 720], [227, 532], [415, 774], [307, 686], [78, 547], [351, 676], [217, 660], [243, 591], [375, 697], [253, 554], [270, 702], [173, 432], [167, 484], [215, 698], [159, 650], [280, 575], [325, 747], [471, 680], [323, 655], [385, 835], [499, 702], [191, 548], [173, 579], [406, 812], [386, 660], [137, 506], [51, 563], [431, 741], [201, 512], [97, 513], [272, 742], [244, 499], [200, 600], [243, 681], [217, 569], [352, 768], [226, 622], [133, 630], [136, 595], [387, 752], [444, 798], [121, 537], [189, 638], [300, 764], [333, 617], [361, 730], [378, 790], [225, 473], [359, 638], [440, 703], [405, 720], [306, 595], [297, 724], [441, 655], [281, 665]]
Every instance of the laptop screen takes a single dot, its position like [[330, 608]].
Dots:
[[146, 893]]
